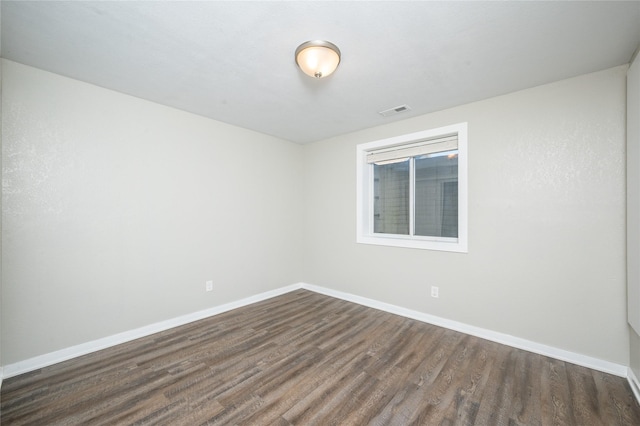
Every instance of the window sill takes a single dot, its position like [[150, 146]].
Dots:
[[439, 244]]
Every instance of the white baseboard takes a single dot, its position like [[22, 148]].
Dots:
[[634, 383], [505, 339], [51, 358]]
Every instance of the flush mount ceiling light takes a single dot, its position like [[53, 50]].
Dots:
[[318, 58]]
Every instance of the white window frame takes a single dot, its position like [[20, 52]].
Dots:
[[364, 193]]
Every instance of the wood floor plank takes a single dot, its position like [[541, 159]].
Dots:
[[615, 400], [527, 398], [443, 395], [412, 392], [584, 396], [472, 383], [303, 359]]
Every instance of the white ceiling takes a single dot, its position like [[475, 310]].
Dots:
[[233, 61]]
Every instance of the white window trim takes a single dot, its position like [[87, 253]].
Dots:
[[364, 204]]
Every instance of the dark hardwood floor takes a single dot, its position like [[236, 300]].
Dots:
[[304, 358]]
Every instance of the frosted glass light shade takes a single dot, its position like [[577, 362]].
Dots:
[[318, 58]]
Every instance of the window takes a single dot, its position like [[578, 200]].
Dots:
[[412, 190]]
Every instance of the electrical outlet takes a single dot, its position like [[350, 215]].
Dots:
[[209, 286], [435, 291]]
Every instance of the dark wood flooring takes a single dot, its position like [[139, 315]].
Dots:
[[308, 359]]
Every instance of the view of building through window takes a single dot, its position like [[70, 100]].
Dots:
[[435, 196]]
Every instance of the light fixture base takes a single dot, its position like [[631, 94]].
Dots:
[[318, 58]]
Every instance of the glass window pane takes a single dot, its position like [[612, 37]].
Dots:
[[391, 198], [436, 195]]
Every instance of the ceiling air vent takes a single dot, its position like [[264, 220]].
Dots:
[[393, 111]]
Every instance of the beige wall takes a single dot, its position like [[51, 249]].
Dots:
[[546, 257], [1, 364], [633, 212], [117, 210], [634, 352]]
